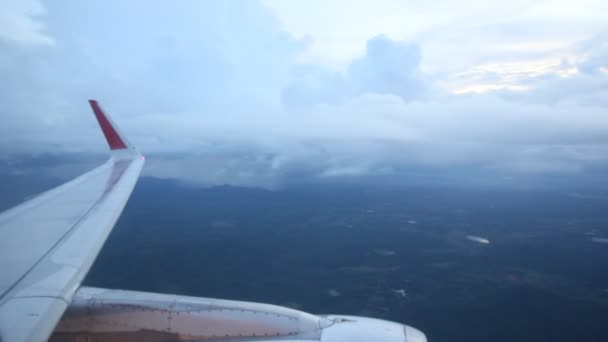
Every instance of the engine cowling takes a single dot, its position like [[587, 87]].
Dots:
[[108, 315]]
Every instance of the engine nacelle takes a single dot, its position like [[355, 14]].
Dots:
[[362, 329], [110, 315]]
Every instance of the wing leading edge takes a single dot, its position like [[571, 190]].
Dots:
[[48, 244]]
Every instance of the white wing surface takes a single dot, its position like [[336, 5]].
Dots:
[[48, 243]]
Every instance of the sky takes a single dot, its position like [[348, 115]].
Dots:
[[248, 92]]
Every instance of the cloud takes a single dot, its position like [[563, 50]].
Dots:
[[188, 62], [20, 23], [223, 87], [467, 32], [388, 67]]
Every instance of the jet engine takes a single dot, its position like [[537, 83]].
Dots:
[[98, 315]]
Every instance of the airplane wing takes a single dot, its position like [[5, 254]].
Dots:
[[47, 244]]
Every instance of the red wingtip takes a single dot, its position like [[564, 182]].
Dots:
[[113, 138]]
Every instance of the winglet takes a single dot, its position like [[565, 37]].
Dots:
[[115, 140]]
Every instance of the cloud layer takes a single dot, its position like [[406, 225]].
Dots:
[[238, 94]]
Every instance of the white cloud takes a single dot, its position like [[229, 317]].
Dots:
[[384, 86], [20, 22], [467, 31], [513, 76]]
